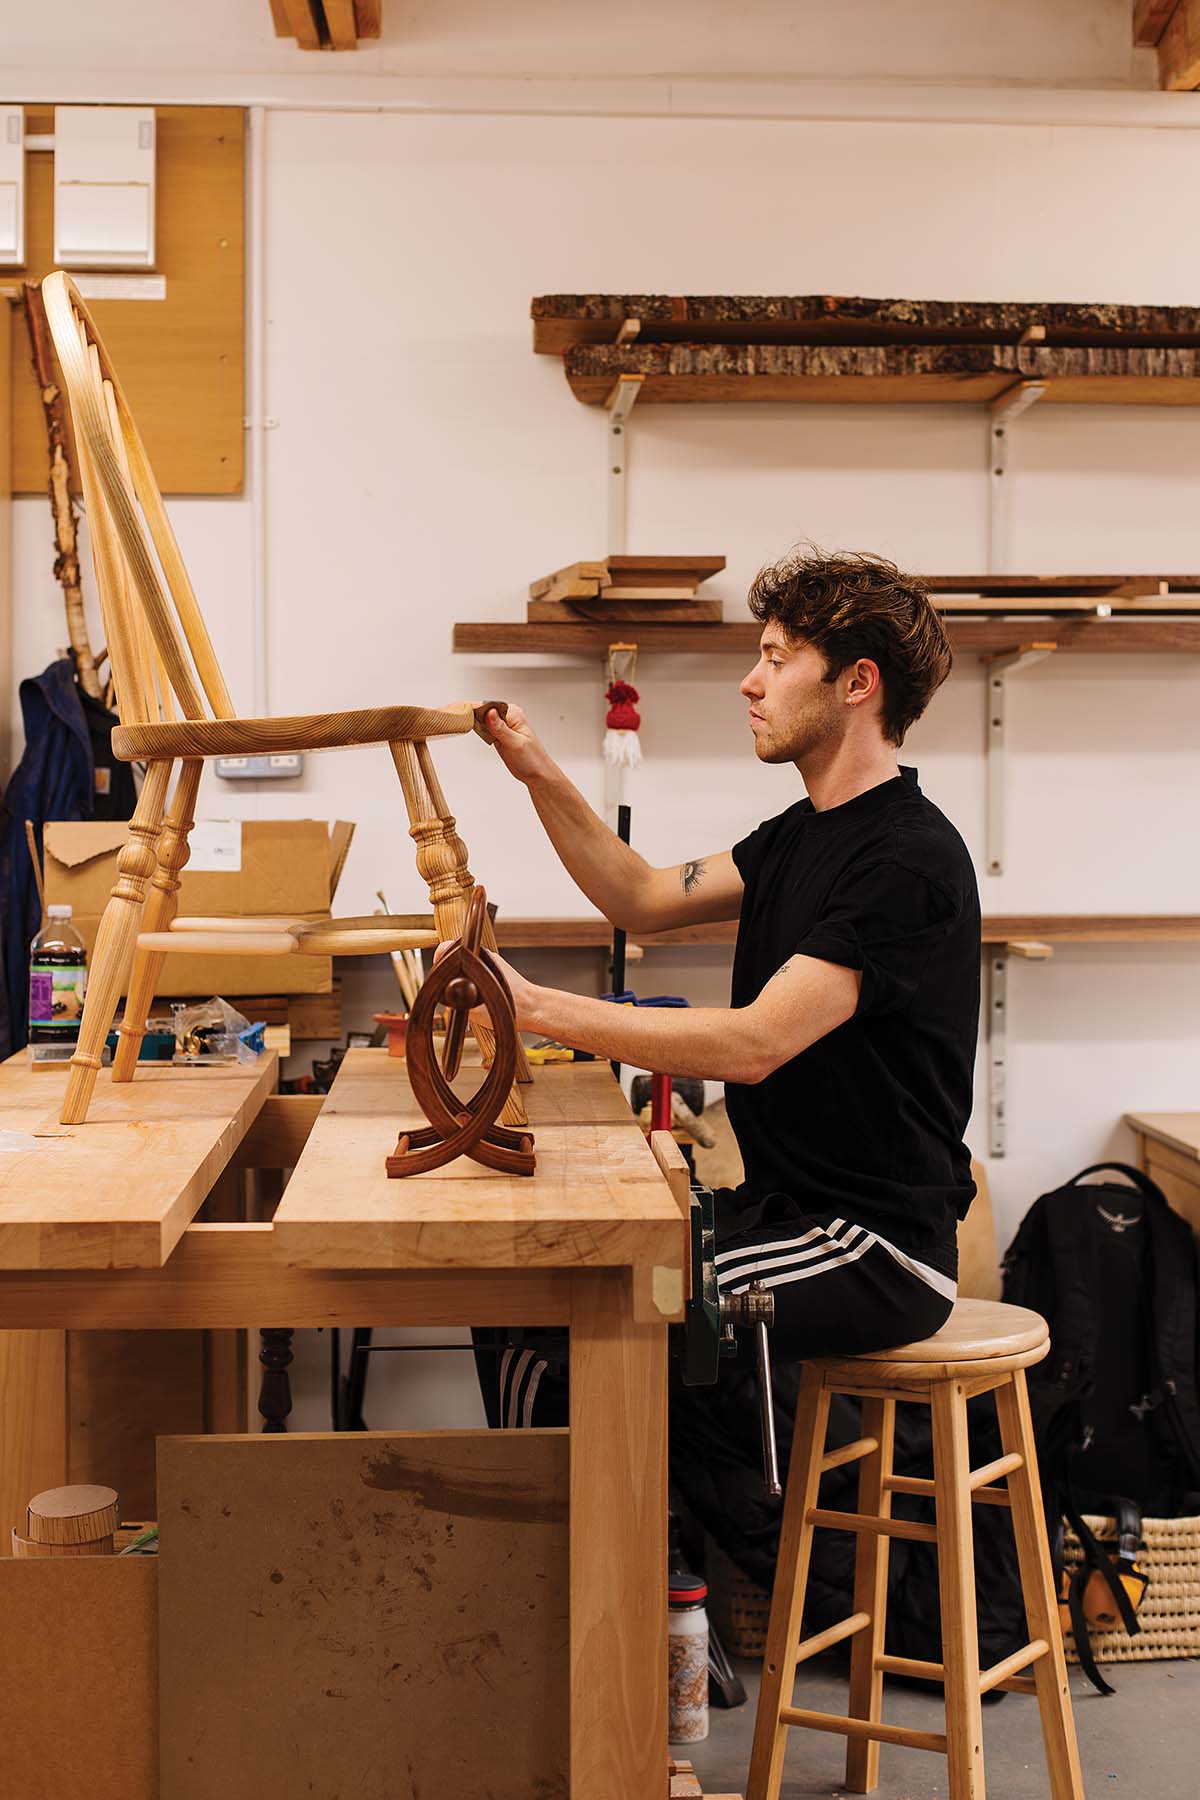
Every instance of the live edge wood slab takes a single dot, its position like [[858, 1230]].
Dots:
[[118, 1192]]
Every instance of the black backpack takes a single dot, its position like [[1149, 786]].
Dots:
[[1115, 1411]]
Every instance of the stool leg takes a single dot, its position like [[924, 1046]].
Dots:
[[791, 1578], [956, 1581], [1037, 1583], [870, 1594]]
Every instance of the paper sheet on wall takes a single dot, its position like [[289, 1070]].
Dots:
[[216, 847]]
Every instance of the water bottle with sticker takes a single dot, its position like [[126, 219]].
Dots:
[[57, 980]]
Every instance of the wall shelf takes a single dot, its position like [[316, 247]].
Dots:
[[995, 635], [595, 933], [827, 349]]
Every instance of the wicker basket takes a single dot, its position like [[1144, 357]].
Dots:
[[737, 1606], [1169, 1615]]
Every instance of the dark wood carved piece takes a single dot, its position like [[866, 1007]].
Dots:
[[464, 978]]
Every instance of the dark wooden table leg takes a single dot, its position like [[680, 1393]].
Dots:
[[275, 1391]]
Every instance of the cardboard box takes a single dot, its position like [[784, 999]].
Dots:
[[245, 868]]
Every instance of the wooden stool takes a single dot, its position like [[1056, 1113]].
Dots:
[[984, 1347]]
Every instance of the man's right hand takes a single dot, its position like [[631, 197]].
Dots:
[[521, 751]]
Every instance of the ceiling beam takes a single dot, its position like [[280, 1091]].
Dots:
[[1150, 19], [327, 24], [1179, 49]]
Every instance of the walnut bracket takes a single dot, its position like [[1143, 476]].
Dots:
[[464, 978]]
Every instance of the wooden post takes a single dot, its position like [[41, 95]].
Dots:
[[618, 1544]]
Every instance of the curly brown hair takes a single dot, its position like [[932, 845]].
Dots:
[[850, 606]]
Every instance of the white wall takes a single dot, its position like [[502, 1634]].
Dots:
[[426, 466], [1085, 42]]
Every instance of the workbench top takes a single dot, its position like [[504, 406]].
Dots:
[[596, 1200], [119, 1191], [1181, 1131]]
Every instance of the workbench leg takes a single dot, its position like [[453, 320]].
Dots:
[[618, 1524]]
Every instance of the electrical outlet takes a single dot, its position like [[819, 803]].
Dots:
[[278, 766]]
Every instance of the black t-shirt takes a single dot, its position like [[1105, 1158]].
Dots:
[[867, 1124]]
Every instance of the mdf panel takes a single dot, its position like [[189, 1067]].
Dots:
[[125, 1389], [382, 1614], [79, 1679], [180, 360]]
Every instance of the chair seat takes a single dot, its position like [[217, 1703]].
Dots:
[[300, 731], [977, 1331], [366, 935]]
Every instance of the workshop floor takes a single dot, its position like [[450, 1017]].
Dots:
[[1140, 1742]]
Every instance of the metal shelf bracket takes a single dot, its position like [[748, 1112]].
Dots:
[[996, 699], [619, 405], [997, 1006], [1005, 409]]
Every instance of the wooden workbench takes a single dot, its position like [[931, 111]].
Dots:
[[595, 1240], [1168, 1149]]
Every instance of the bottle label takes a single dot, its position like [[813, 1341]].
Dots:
[[56, 997]]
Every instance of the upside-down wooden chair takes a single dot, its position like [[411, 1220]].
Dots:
[[174, 707]]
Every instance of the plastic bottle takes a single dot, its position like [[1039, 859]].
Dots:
[[687, 1649], [57, 980]]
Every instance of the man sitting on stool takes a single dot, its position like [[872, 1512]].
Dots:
[[848, 1048]]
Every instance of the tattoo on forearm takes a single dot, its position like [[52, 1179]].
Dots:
[[691, 875]]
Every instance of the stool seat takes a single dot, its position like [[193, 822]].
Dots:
[[979, 1337], [983, 1348]]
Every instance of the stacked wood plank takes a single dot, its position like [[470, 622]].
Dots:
[[1101, 595], [829, 348], [627, 590]]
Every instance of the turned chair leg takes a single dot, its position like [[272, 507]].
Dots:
[[956, 1581], [870, 1594], [442, 865], [161, 907], [115, 939], [1037, 1584], [791, 1579]]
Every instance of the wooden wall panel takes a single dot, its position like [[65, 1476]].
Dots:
[[375, 1613], [179, 359], [7, 677], [33, 1408]]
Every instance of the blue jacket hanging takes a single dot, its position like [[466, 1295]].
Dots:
[[55, 779]]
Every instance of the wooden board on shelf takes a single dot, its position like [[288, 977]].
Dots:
[[611, 610], [886, 374], [1099, 587], [382, 1610], [969, 637], [660, 577], [562, 321], [180, 359]]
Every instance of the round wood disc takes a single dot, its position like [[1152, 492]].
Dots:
[[28, 1547], [73, 1515]]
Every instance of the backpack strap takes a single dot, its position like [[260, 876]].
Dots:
[[1095, 1561], [1148, 1189]]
